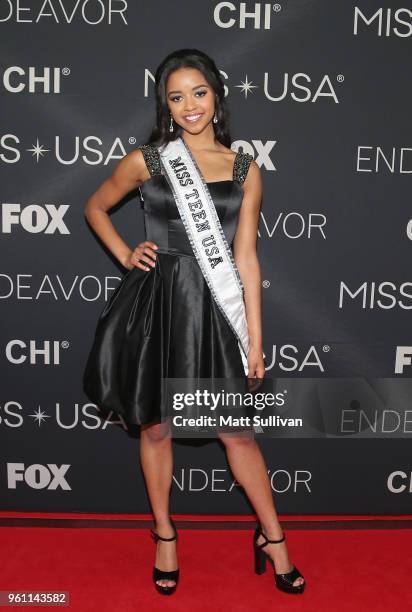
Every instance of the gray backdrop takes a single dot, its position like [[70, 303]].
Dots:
[[320, 94]]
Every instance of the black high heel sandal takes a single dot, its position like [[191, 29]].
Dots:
[[162, 574], [284, 582]]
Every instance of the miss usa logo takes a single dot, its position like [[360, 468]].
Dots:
[[384, 22], [67, 152]]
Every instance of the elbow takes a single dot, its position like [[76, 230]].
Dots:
[[88, 209]]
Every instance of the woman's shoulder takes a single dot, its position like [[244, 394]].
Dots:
[[240, 160]]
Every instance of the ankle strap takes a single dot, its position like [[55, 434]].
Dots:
[[267, 541], [156, 537]]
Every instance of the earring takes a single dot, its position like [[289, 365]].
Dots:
[[171, 123], [215, 119]]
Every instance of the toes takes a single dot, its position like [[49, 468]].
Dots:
[[167, 583]]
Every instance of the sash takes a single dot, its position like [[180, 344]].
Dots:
[[207, 239]]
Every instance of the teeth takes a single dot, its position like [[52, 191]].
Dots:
[[193, 117]]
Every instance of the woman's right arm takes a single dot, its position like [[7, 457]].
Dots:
[[129, 173]]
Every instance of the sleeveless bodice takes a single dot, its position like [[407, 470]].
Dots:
[[163, 224]]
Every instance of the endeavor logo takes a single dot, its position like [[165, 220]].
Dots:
[[38, 476], [384, 22], [293, 225], [56, 287], [194, 480], [84, 11], [378, 160]]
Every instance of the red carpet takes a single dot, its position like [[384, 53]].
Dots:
[[109, 569]]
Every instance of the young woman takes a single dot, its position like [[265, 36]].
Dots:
[[167, 318]]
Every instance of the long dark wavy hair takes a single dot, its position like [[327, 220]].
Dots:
[[188, 58]]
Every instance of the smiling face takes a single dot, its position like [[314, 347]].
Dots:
[[191, 100]]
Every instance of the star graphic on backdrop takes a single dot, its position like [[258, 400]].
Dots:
[[38, 150], [39, 416], [247, 86]]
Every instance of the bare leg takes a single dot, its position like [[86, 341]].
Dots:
[[249, 468], [156, 457]]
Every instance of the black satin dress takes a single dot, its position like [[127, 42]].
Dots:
[[164, 323]]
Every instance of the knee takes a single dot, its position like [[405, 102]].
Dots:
[[156, 432]]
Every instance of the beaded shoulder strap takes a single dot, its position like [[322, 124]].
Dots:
[[241, 166], [152, 158]]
